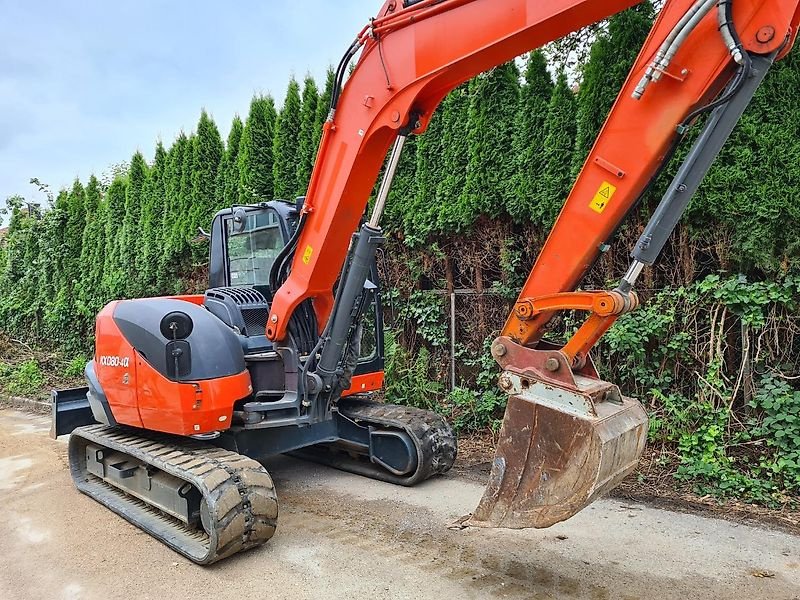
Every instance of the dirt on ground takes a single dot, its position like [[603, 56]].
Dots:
[[343, 536]]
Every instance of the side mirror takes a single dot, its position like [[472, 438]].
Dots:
[[239, 220], [176, 325]]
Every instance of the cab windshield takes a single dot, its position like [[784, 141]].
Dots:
[[253, 249]]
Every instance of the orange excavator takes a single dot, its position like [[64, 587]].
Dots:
[[185, 394]]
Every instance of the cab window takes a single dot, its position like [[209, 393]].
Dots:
[[252, 249]]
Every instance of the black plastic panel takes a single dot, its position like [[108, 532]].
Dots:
[[215, 348]]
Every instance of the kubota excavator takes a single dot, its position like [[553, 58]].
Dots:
[[184, 394]]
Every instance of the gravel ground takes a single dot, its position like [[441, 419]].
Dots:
[[342, 536]]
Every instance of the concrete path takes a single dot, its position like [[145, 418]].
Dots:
[[342, 536]]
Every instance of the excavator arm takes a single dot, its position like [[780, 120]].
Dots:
[[567, 436]]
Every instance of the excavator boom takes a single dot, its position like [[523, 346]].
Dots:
[[567, 436]]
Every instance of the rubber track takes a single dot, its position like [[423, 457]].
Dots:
[[432, 436], [239, 493]]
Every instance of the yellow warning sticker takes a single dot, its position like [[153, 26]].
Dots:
[[307, 255], [602, 197]]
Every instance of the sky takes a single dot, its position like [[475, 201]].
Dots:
[[83, 85]]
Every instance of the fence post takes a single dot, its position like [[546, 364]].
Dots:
[[452, 340]]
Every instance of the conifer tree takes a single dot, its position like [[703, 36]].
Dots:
[[404, 186], [286, 148], [73, 236], [180, 230], [171, 216], [113, 270], [131, 236], [559, 147], [529, 135], [206, 158], [90, 294], [323, 106], [255, 153], [21, 269], [455, 155], [490, 172], [760, 235], [610, 59], [422, 209], [228, 178], [152, 217], [306, 147], [51, 248], [61, 253]]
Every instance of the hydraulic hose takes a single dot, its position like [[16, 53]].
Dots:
[[672, 43]]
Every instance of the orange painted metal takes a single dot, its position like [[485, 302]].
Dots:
[[605, 308], [444, 45], [140, 396], [193, 298], [405, 70], [188, 408], [118, 378], [367, 382], [599, 302], [636, 138]]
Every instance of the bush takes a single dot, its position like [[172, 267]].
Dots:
[[22, 379]]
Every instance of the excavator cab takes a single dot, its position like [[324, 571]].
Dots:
[[245, 243]]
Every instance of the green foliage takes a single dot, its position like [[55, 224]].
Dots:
[[404, 187], [229, 172], [286, 145], [22, 379], [130, 244], [89, 293], [421, 208], [75, 366], [323, 106], [307, 148], [408, 377], [749, 300], [424, 311], [490, 131], [779, 404], [746, 206], [256, 152], [455, 155], [113, 272], [207, 152], [171, 234], [529, 136], [476, 410], [755, 456], [155, 192], [559, 145]]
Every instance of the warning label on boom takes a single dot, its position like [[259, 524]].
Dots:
[[602, 197]]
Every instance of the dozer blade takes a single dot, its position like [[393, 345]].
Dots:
[[558, 451]]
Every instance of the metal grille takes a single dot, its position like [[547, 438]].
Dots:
[[255, 320]]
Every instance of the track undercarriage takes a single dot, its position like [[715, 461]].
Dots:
[[208, 503]]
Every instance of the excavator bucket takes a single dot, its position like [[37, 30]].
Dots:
[[558, 451]]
